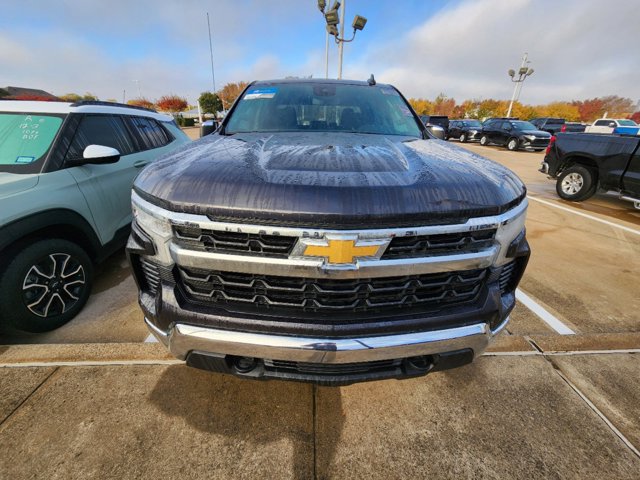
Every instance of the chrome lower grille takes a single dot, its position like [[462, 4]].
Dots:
[[405, 295]]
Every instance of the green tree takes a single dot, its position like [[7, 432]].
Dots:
[[210, 102]]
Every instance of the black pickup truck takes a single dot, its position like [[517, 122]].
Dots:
[[557, 125], [322, 234], [582, 163]]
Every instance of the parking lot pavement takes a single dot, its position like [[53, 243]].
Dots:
[[511, 414]]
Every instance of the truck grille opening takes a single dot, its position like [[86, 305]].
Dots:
[[448, 243], [400, 295], [510, 275], [151, 275], [234, 242]]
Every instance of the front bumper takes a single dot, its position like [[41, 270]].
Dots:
[[277, 356]]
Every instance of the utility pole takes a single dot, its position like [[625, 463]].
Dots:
[[341, 44], [213, 76], [522, 74]]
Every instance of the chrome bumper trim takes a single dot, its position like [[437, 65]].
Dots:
[[182, 339], [311, 268]]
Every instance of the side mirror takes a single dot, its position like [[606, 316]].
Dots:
[[207, 128], [96, 155], [99, 154], [612, 124], [436, 131]]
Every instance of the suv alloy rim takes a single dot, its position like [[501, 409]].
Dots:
[[53, 285], [572, 183], [512, 144]]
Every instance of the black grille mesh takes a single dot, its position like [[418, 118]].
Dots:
[[448, 243], [404, 294]]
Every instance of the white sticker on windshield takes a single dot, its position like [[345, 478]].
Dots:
[[266, 92], [25, 159]]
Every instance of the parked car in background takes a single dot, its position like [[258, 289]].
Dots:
[[557, 125], [440, 120], [66, 172], [582, 163], [465, 130], [573, 127], [514, 134], [607, 125]]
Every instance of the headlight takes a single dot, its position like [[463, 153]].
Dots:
[[531, 138], [473, 132], [149, 220]]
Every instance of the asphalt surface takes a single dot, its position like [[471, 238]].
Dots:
[[555, 397]]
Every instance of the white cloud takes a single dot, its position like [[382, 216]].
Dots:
[[579, 49]]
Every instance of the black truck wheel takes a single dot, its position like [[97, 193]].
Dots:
[[576, 183], [45, 285]]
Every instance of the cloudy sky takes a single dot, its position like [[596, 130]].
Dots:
[[462, 48]]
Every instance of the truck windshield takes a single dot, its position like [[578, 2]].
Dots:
[[323, 107], [25, 138]]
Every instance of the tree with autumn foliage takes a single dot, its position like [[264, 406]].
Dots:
[[34, 98], [74, 97], [172, 104], [141, 102], [230, 92]]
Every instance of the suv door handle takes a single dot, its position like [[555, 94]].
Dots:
[[140, 163]]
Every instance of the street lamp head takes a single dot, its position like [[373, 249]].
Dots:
[[332, 30], [332, 17], [322, 5], [359, 22], [530, 71], [511, 72], [523, 71]]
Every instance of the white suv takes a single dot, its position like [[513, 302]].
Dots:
[[608, 125], [65, 190]]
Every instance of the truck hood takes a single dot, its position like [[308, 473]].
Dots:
[[12, 183], [341, 180]]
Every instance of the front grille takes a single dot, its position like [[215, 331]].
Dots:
[[219, 241], [510, 275], [294, 295], [447, 243], [332, 368]]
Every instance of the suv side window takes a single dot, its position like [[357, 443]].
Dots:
[[107, 130], [506, 126], [150, 133]]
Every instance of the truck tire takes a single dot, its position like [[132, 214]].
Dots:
[[484, 140], [45, 285], [512, 144], [576, 183]]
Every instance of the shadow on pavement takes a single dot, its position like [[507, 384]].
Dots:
[[243, 415]]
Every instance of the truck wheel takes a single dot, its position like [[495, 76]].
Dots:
[[45, 285], [576, 183], [463, 137], [512, 144], [484, 140]]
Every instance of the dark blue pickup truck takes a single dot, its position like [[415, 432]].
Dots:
[[581, 163]]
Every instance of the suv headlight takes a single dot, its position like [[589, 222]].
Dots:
[[150, 222], [531, 138]]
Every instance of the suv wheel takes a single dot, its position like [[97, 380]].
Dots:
[[463, 137], [576, 183], [484, 140], [45, 285], [512, 144]]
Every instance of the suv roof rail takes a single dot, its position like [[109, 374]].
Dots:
[[82, 103]]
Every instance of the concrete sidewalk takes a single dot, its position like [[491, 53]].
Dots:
[[131, 411]]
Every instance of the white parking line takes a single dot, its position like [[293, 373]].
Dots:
[[151, 339], [541, 312], [590, 217]]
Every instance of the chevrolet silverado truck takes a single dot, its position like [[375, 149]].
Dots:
[[321, 234], [583, 162]]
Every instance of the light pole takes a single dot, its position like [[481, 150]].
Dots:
[[518, 78], [333, 20]]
